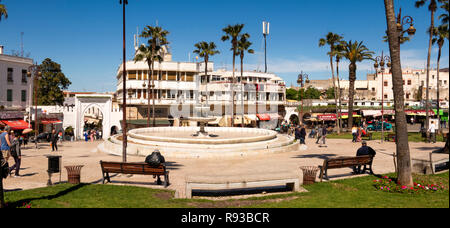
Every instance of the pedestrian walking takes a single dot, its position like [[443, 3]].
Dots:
[[354, 133], [432, 130], [302, 134], [319, 133], [324, 136], [54, 140], [16, 153], [5, 146]]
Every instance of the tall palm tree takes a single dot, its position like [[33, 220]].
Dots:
[[243, 47], [157, 38], [401, 131], [205, 50], [338, 52], [3, 12], [432, 7], [232, 32], [355, 52], [147, 54], [444, 17], [440, 34], [332, 40]]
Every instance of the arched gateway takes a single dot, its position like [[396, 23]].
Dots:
[[103, 102]]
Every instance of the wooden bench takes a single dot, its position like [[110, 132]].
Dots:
[[290, 179], [134, 168], [345, 162], [390, 137]]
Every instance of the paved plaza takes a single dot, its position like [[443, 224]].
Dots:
[[35, 163]]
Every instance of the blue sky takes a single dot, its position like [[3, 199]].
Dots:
[[85, 37]]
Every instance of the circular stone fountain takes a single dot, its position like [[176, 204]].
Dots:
[[203, 142], [179, 142]]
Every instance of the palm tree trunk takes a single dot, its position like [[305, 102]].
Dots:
[[339, 95], [437, 92], [401, 131], [232, 86], [335, 93], [351, 94], [427, 104], [242, 91], [150, 92]]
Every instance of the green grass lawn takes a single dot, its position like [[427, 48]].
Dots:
[[412, 136], [348, 193]]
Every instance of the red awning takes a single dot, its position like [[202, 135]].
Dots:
[[50, 121], [263, 117], [16, 124], [275, 116]]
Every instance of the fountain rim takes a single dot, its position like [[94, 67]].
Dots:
[[261, 135]]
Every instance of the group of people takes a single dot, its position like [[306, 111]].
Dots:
[[320, 133], [10, 146], [91, 135], [358, 133]]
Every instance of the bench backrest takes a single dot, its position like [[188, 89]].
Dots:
[[132, 168], [348, 161]]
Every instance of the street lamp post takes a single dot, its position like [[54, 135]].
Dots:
[[35, 72], [124, 89], [380, 61], [302, 77]]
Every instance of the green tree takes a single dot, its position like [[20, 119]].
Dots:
[[3, 12], [232, 32], [332, 40], [51, 84], [330, 93], [292, 94], [153, 52], [444, 17], [355, 52]]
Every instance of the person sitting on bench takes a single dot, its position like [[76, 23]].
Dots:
[[364, 150]]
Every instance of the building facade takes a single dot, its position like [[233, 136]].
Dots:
[[15, 86]]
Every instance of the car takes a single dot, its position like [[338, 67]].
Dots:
[[377, 127], [41, 137]]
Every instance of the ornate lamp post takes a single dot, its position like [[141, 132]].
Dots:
[[35, 71], [380, 61], [124, 89], [302, 77]]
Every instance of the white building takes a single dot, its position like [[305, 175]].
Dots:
[[15, 86]]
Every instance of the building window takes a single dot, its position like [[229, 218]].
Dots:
[[407, 96], [24, 95], [24, 76], [9, 95], [10, 75], [385, 83], [409, 82], [385, 96]]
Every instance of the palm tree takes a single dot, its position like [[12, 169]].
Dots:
[[147, 54], [156, 40], [432, 7], [354, 52], [3, 12], [444, 17], [243, 47], [332, 40], [401, 131], [440, 33], [338, 52], [232, 32], [205, 50]]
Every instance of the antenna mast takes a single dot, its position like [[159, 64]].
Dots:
[[21, 44], [266, 26]]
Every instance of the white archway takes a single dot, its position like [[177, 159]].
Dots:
[[101, 101]]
